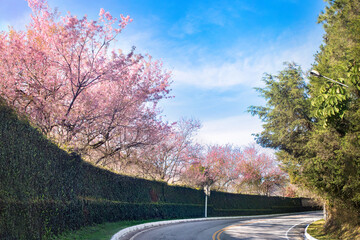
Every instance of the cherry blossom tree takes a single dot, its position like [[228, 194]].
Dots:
[[259, 173], [168, 159], [216, 167], [290, 191], [229, 168], [63, 73]]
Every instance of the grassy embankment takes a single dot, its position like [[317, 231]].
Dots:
[[318, 231], [100, 231]]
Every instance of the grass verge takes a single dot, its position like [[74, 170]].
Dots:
[[100, 231], [345, 232], [316, 230]]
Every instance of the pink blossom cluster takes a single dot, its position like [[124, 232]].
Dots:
[[230, 168], [64, 76]]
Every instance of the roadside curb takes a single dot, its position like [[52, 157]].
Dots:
[[143, 226], [307, 235]]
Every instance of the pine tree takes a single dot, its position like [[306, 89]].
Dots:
[[335, 168], [286, 117], [316, 126]]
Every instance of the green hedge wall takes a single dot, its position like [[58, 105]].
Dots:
[[43, 219], [241, 201], [45, 191]]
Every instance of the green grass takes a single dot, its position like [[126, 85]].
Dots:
[[345, 232], [316, 230], [99, 232]]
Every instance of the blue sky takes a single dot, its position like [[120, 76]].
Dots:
[[217, 50]]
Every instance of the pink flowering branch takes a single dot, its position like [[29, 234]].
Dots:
[[62, 74]]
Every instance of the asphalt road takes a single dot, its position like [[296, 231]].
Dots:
[[282, 227]]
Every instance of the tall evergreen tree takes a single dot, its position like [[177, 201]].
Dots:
[[286, 117], [334, 170], [316, 127]]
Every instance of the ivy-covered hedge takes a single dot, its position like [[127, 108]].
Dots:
[[240, 201], [44, 190], [43, 219]]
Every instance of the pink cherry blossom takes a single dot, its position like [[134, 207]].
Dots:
[[63, 76]]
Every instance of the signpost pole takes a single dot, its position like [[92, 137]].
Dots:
[[206, 205], [207, 194]]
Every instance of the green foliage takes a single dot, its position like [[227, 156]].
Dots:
[[338, 59], [331, 103], [287, 117], [228, 204], [41, 220], [335, 167], [223, 200], [46, 191], [319, 145]]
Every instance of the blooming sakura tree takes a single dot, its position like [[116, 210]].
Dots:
[[168, 159], [217, 167], [290, 191], [229, 168], [64, 76], [259, 173]]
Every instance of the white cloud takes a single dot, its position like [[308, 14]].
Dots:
[[197, 17], [247, 70], [236, 130], [185, 26], [198, 65], [18, 23], [128, 39]]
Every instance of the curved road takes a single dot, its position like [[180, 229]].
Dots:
[[282, 227]]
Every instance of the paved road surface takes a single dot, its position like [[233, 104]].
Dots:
[[282, 227]]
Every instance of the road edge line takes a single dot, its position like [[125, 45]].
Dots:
[[307, 235], [128, 230]]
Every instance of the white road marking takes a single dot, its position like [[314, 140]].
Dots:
[[287, 232], [286, 235], [137, 234]]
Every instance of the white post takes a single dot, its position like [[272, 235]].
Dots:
[[206, 205], [207, 194]]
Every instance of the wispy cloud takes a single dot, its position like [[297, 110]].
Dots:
[[202, 14], [185, 26], [245, 70], [236, 130], [18, 23]]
